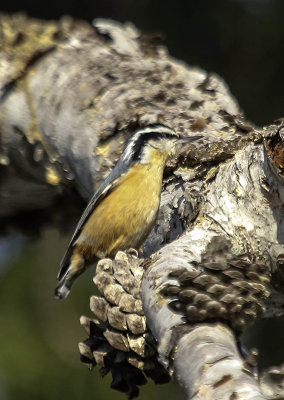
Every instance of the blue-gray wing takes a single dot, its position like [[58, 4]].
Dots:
[[105, 188]]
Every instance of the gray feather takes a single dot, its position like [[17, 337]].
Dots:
[[105, 188]]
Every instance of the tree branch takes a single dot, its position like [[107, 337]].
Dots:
[[71, 94]]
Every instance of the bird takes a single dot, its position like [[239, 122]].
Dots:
[[123, 210]]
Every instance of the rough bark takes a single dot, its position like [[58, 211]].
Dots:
[[71, 94], [57, 85]]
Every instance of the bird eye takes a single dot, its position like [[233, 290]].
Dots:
[[154, 146]]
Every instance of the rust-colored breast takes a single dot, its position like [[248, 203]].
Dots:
[[125, 216]]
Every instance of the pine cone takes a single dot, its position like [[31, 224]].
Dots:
[[119, 340], [233, 289]]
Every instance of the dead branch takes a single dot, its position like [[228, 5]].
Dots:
[[71, 94]]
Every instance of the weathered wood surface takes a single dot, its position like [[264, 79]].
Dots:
[[71, 94]]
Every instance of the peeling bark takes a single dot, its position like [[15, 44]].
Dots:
[[71, 94]]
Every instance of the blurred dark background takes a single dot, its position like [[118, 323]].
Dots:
[[241, 40]]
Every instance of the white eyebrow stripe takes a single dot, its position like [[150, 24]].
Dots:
[[159, 129], [154, 128]]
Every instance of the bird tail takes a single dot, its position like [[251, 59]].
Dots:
[[68, 274], [62, 290]]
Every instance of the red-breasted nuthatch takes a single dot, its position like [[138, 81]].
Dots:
[[123, 210]]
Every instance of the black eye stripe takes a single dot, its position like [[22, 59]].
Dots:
[[144, 138]]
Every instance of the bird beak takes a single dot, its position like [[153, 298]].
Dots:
[[182, 142], [188, 139]]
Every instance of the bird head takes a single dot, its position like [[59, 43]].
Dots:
[[159, 139]]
